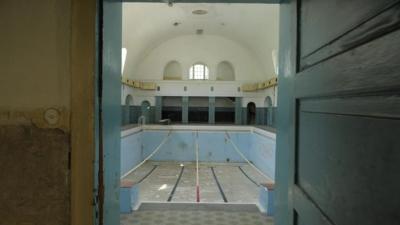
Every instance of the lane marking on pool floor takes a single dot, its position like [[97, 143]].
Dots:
[[171, 195], [221, 191], [244, 157], [148, 174], [197, 168], [248, 177]]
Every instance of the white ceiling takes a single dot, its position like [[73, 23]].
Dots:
[[147, 25]]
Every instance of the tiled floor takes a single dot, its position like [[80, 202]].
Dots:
[[195, 214]]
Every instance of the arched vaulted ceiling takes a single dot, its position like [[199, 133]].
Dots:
[[147, 25]]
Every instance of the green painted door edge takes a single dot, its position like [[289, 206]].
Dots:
[[110, 124], [285, 120]]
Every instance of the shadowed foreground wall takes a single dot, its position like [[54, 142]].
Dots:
[[35, 78], [34, 175]]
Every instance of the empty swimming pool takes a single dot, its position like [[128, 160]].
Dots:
[[198, 164]]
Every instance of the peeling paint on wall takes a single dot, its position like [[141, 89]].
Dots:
[[50, 117], [34, 174]]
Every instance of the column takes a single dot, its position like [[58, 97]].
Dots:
[[211, 110], [185, 109], [158, 113], [259, 116], [238, 110]]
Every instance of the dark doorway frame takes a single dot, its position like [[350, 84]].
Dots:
[[251, 113], [145, 110]]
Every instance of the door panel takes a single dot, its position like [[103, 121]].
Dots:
[[328, 28], [322, 21], [371, 67], [307, 213], [345, 168], [341, 82]]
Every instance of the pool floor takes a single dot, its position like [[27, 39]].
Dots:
[[236, 183]]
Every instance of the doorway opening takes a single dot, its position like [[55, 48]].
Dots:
[[198, 110], [251, 113], [201, 160], [172, 109], [127, 110], [268, 114], [145, 111], [225, 110]]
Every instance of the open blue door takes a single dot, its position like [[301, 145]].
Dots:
[[338, 115], [110, 28]]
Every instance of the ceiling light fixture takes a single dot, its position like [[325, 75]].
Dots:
[[170, 3], [199, 12]]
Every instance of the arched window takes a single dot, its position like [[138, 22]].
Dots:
[[268, 111], [173, 71], [199, 72], [225, 71], [145, 110], [267, 102]]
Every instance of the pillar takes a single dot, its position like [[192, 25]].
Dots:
[[185, 109], [238, 110], [211, 110], [244, 115], [259, 116], [158, 113]]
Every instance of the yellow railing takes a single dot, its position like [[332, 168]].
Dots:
[[261, 85], [139, 84], [249, 87]]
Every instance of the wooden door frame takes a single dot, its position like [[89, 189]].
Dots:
[[83, 110]]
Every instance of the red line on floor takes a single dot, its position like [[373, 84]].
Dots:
[[197, 193]]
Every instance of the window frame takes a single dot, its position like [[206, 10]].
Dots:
[[205, 75]]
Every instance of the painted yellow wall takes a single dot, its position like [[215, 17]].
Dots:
[[35, 53]]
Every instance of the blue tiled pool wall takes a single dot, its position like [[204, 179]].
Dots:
[[213, 147], [131, 151], [262, 154]]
